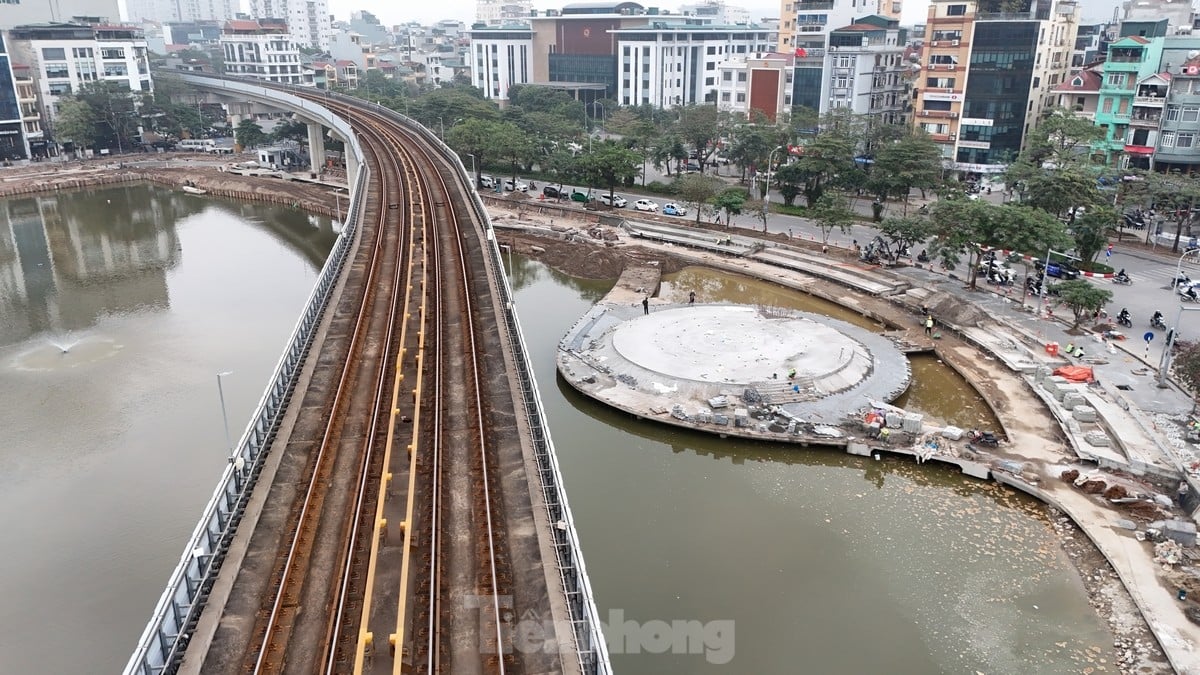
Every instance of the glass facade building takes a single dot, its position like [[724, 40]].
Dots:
[[998, 85]]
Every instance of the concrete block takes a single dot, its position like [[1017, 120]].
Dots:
[[913, 423], [1097, 438], [1084, 413], [741, 417], [860, 449], [1180, 531], [953, 433], [1072, 399], [721, 420], [894, 420]]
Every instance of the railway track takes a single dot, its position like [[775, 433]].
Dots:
[[399, 542]]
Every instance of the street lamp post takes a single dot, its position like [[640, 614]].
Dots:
[[1164, 363], [224, 415], [474, 171], [442, 127], [1046, 277]]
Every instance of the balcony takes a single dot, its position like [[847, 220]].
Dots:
[[946, 114], [1126, 65], [1115, 88], [1148, 101], [1145, 121], [1013, 16], [948, 43], [817, 5]]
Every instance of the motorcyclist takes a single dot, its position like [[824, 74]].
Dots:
[[1157, 320], [1123, 316], [1191, 293], [1122, 276], [922, 256]]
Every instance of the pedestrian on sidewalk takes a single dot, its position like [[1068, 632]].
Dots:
[[929, 325], [692, 297], [646, 305]]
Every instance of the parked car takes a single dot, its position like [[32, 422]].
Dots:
[[1060, 270], [518, 186], [645, 205], [616, 200], [577, 196], [673, 209], [553, 192], [487, 182], [691, 167]]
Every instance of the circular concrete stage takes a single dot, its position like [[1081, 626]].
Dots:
[[679, 357], [739, 344]]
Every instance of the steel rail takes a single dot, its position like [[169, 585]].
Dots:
[[314, 491]]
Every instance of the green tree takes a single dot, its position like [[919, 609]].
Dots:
[[290, 130], [825, 157], [731, 201], [696, 189], [831, 211], [510, 144], [1061, 138], [76, 122], [700, 126], [1173, 195], [789, 179], [473, 137], [969, 227], [249, 134], [906, 231], [1057, 190], [911, 161], [610, 164], [1090, 231], [1083, 298], [441, 107]]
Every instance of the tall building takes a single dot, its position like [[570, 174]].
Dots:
[[1132, 59], [501, 57], [162, 11], [761, 84], [14, 143], [667, 64], [1091, 44], [499, 12], [17, 13], [1180, 15], [307, 20], [64, 57], [719, 11], [261, 49], [806, 23], [865, 70], [988, 74]]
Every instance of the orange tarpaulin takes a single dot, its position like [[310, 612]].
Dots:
[[1076, 373]]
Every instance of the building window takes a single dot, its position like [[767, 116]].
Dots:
[[1172, 113], [709, 81], [1191, 113], [727, 76], [844, 62], [1184, 139], [933, 128], [53, 53], [741, 77], [1167, 140], [1115, 79], [741, 98], [725, 97], [956, 10], [940, 82], [841, 82]]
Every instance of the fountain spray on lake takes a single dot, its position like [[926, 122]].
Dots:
[[59, 353]]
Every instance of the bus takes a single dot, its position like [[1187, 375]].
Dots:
[[196, 144]]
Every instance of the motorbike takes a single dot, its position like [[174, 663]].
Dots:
[[1189, 295], [1122, 280], [1124, 319], [1158, 322], [1182, 279], [922, 257], [984, 438]]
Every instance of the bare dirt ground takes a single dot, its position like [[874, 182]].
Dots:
[[590, 253]]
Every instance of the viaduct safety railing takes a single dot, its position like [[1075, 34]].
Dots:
[[167, 634], [585, 618]]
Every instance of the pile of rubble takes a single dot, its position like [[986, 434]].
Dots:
[[1168, 553]]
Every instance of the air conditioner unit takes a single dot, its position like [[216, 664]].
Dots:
[[953, 115], [932, 67], [954, 43], [954, 137]]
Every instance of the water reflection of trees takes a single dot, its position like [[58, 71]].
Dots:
[[525, 271], [311, 236]]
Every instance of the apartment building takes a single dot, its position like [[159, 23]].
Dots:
[[761, 84], [65, 57], [17, 13], [307, 20], [1132, 59], [1178, 143], [989, 73], [163, 11], [500, 57], [668, 64], [1080, 93], [261, 49], [31, 110], [499, 12], [865, 69]]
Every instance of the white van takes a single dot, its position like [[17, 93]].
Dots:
[[196, 144]]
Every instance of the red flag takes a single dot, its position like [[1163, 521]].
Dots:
[[801, 52]]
